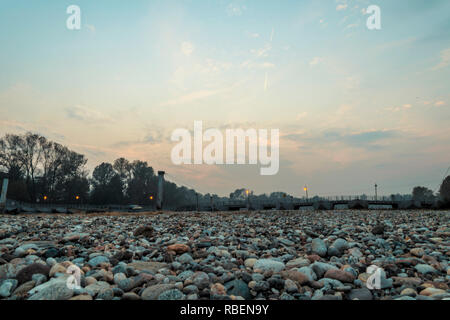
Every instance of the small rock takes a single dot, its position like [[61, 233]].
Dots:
[[429, 292], [378, 229], [425, 269], [340, 275], [250, 262], [268, 265], [418, 252], [319, 247], [298, 263], [360, 294], [145, 231], [173, 294], [218, 289], [55, 289], [238, 288], [409, 292], [96, 261], [178, 248], [153, 292], [8, 287], [130, 296], [26, 274]]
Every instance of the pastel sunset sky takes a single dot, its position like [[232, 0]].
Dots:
[[354, 106]]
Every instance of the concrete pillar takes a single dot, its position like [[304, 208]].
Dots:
[[3, 195], [196, 195], [159, 196]]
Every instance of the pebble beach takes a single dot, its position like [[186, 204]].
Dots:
[[260, 255]]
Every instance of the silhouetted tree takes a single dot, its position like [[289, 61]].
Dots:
[[422, 194], [37, 167], [444, 191], [107, 186], [143, 183]]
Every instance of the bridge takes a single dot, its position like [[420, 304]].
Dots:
[[329, 203], [248, 203]]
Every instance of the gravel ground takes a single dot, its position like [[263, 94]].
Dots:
[[289, 255]]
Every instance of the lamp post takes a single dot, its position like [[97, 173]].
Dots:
[[306, 190], [247, 192], [151, 200], [376, 192]]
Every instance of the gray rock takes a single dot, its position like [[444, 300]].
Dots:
[[360, 294], [7, 287], [173, 294], [320, 268], [39, 278], [238, 288], [55, 289], [105, 294], [319, 247], [97, 287], [185, 275], [200, 279], [333, 252], [269, 265], [153, 292], [286, 296], [340, 244], [425, 269], [190, 289], [297, 263], [308, 271], [185, 258], [261, 286], [94, 262]]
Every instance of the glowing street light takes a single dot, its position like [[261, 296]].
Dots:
[[247, 192], [77, 197], [151, 197], [45, 198], [306, 190]]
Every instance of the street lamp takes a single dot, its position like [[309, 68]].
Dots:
[[151, 197], [306, 190], [247, 192]]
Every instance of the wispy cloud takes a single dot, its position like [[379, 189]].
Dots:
[[341, 7], [187, 48], [445, 60], [234, 9], [404, 107], [359, 139], [315, 61], [87, 114]]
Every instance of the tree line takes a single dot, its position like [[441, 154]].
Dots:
[[41, 170]]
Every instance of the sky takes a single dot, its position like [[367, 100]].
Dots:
[[354, 106]]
